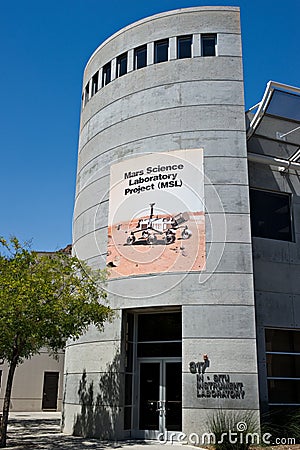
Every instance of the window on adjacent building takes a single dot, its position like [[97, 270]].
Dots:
[[283, 366], [106, 74], [140, 57], [184, 47], [270, 214], [122, 65], [161, 51], [208, 44], [95, 83]]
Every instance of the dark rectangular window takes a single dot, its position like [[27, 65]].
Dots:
[[106, 75], [161, 51], [184, 47], [284, 391], [122, 65], [270, 215], [208, 44], [283, 341], [86, 93], [159, 327], [283, 366], [95, 83], [140, 57]]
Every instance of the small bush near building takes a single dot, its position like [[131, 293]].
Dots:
[[233, 430]]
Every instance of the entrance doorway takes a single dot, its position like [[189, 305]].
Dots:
[[50, 390], [153, 374], [160, 397]]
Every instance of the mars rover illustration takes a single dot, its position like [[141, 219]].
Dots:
[[152, 230]]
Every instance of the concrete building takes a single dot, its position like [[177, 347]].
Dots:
[[273, 135], [162, 201]]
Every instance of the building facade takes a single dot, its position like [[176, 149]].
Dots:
[[38, 383], [163, 201], [273, 136]]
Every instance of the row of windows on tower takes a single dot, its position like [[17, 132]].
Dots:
[[161, 54]]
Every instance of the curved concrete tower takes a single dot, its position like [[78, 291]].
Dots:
[[162, 202]]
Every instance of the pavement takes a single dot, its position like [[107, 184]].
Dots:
[[41, 431]]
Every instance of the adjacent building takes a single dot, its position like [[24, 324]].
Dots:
[[38, 381], [195, 213], [273, 135], [38, 384]]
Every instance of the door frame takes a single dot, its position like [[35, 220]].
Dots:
[[161, 432]]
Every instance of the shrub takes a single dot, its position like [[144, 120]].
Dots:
[[233, 430]]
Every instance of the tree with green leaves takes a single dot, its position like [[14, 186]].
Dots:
[[45, 299]]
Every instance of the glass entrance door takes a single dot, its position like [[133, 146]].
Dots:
[[160, 397], [150, 394]]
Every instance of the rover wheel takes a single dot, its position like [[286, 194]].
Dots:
[[152, 239], [170, 238], [186, 234], [130, 240]]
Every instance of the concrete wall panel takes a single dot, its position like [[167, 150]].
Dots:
[[248, 402], [275, 309], [91, 363], [238, 357], [220, 70], [219, 321], [153, 123]]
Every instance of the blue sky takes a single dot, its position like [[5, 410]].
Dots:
[[44, 48]]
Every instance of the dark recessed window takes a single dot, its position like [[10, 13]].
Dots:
[[159, 327], [140, 57], [106, 75], [161, 51], [95, 83], [282, 341], [122, 65], [283, 366], [184, 47], [270, 214], [86, 93], [208, 44], [159, 335]]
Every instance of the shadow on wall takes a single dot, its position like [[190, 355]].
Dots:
[[62, 422], [100, 405]]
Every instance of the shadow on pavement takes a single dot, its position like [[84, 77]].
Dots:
[[45, 434]]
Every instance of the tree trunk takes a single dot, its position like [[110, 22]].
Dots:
[[6, 404]]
